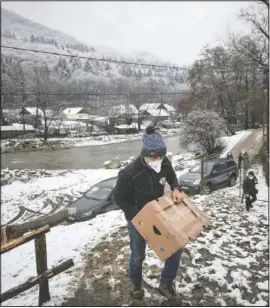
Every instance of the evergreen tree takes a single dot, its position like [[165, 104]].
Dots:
[[87, 66]]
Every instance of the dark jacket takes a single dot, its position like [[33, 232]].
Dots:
[[249, 185], [229, 156], [245, 161], [240, 158], [138, 184]]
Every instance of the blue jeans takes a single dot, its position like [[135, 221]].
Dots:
[[137, 247]]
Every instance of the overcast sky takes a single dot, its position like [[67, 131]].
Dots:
[[174, 31]]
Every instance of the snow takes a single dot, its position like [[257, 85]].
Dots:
[[77, 238], [34, 110], [263, 285], [18, 126], [222, 258], [24, 28], [72, 111], [150, 106], [169, 107], [231, 141], [123, 109], [158, 113], [122, 126], [34, 193], [7, 128]]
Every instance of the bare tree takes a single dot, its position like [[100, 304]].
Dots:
[[255, 46], [43, 85], [6, 85]]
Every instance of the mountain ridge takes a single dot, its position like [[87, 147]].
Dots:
[[78, 73]]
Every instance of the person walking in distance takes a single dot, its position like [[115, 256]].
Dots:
[[249, 189], [138, 183], [229, 155], [240, 160]]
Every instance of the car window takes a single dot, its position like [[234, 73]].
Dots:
[[223, 166], [108, 183], [197, 168], [98, 193], [216, 168]]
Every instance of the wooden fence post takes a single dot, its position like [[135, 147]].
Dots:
[[41, 262]]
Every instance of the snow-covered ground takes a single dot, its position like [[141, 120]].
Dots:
[[224, 250], [231, 141], [229, 256]]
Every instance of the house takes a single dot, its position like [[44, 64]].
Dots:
[[123, 110], [75, 114], [155, 115], [158, 106], [15, 129], [34, 111], [123, 114], [169, 108], [151, 106], [8, 131]]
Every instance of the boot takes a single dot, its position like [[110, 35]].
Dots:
[[137, 291], [167, 289]]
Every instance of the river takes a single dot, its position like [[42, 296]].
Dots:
[[80, 157]]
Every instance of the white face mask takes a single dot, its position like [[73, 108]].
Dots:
[[250, 177], [155, 165]]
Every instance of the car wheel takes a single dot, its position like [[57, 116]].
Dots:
[[232, 181], [207, 189]]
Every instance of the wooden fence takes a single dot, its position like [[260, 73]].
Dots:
[[43, 273]]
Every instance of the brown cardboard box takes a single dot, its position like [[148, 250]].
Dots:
[[167, 226]]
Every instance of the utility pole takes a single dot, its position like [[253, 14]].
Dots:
[[202, 172], [266, 89], [240, 180]]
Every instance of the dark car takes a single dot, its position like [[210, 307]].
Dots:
[[97, 200], [217, 172]]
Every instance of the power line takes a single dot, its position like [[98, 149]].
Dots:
[[91, 58], [92, 94]]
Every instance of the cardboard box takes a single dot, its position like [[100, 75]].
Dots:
[[167, 226]]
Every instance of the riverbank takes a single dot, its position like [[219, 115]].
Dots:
[[37, 144]]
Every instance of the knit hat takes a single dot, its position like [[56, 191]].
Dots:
[[153, 144]]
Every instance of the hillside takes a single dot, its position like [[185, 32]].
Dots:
[[95, 76]]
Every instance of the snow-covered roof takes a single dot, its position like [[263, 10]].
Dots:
[[135, 125], [7, 128], [123, 109], [73, 123], [101, 119], [33, 110], [74, 110], [122, 126], [151, 106], [158, 113], [169, 107], [79, 116], [18, 126], [132, 125]]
